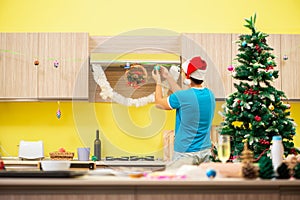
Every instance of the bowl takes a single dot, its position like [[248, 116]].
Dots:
[[55, 165]]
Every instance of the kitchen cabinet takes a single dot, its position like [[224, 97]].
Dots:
[[290, 66], [18, 74], [274, 41], [22, 78], [215, 49]]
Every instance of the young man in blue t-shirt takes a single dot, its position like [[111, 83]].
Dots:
[[194, 111]]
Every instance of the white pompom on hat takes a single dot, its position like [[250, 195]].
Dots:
[[195, 68]]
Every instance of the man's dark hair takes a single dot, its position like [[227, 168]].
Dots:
[[196, 81]]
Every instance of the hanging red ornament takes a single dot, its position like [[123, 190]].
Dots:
[[269, 67], [56, 64], [257, 47], [36, 62], [230, 68], [257, 118]]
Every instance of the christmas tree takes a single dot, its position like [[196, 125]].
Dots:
[[256, 111]]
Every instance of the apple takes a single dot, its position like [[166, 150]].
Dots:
[[61, 149]]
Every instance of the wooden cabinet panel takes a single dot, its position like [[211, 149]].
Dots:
[[274, 41], [70, 78], [290, 68], [18, 74], [20, 78], [215, 49], [122, 44]]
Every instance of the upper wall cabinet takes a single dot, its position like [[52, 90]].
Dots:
[[215, 49], [290, 65], [18, 74], [70, 78], [44, 65]]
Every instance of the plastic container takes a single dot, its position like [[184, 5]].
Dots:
[[277, 151]]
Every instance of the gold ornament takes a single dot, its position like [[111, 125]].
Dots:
[[237, 124], [247, 155], [271, 107]]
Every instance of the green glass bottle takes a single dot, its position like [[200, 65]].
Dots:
[[97, 146]]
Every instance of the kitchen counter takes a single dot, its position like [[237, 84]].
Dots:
[[121, 187], [94, 185]]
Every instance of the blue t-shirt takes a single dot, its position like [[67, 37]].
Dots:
[[194, 114]]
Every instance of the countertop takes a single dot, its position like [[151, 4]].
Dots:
[[123, 186], [116, 187], [110, 180]]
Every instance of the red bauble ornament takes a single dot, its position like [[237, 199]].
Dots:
[[293, 151], [257, 118], [269, 67], [257, 47], [230, 68]]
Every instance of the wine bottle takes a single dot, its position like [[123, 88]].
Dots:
[[97, 146]]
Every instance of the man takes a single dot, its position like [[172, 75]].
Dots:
[[194, 112]]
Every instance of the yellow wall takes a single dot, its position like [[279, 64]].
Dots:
[[112, 17], [123, 130]]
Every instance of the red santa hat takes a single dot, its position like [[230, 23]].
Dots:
[[195, 68]]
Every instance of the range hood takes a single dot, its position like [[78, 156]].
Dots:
[[123, 59]]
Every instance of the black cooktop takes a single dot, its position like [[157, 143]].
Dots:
[[130, 158], [41, 174]]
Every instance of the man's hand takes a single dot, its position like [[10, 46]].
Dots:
[[164, 72], [156, 76]]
